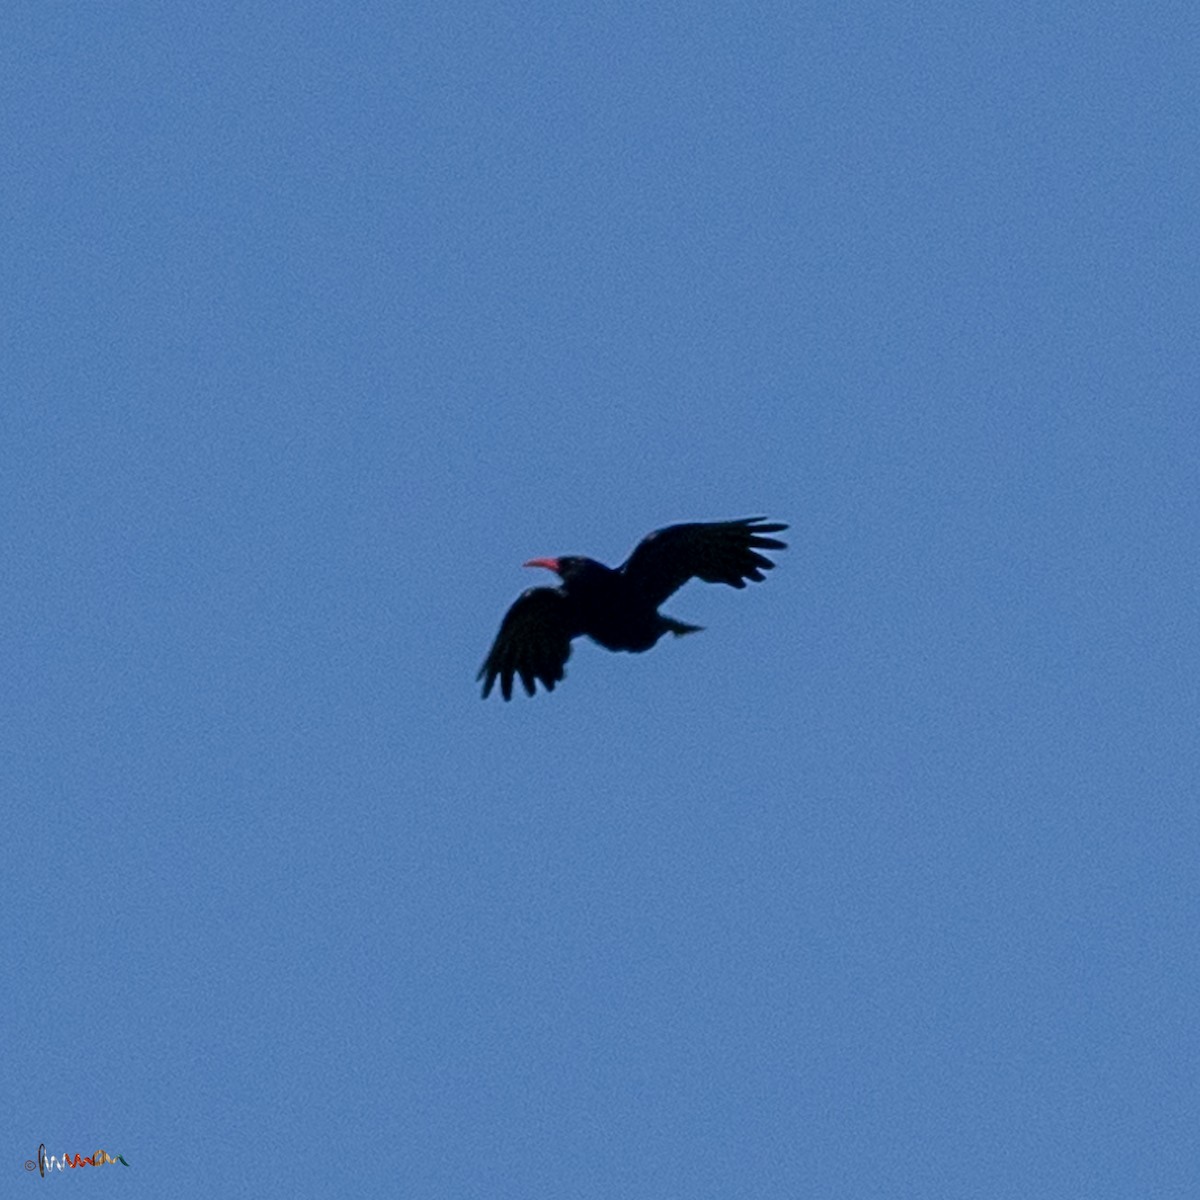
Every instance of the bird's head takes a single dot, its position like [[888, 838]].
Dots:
[[566, 567]]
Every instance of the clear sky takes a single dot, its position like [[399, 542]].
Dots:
[[317, 320]]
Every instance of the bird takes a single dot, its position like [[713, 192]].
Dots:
[[618, 608]]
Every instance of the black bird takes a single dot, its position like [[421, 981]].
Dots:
[[619, 608]]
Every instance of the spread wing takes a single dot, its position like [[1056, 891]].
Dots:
[[534, 642], [715, 551]]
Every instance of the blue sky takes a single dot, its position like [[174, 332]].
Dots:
[[318, 321]]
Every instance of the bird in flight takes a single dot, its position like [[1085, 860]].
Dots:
[[619, 608]]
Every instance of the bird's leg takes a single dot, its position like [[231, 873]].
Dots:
[[678, 628]]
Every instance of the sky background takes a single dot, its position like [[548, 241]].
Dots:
[[317, 321]]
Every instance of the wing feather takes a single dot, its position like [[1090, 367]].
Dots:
[[714, 551], [533, 644]]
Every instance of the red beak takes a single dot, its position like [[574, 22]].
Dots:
[[551, 564]]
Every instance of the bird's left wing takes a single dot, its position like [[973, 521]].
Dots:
[[534, 643], [715, 551]]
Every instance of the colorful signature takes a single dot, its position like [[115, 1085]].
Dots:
[[45, 1160]]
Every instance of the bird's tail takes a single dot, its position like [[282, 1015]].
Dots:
[[678, 628]]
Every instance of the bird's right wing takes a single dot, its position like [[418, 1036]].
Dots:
[[715, 551], [534, 642]]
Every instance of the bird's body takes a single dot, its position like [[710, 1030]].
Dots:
[[618, 608], [610, 607]]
